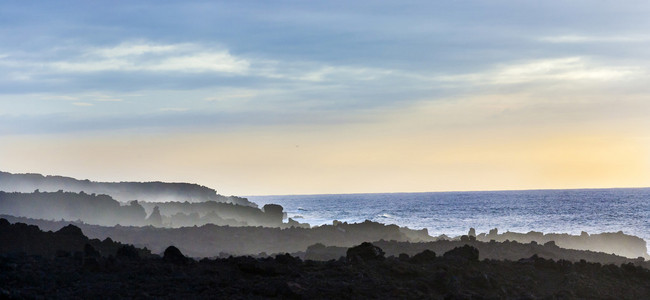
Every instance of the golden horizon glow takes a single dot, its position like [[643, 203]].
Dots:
[[447, 146]]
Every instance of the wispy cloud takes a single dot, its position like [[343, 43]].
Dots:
[[571, 39], [129, 57], [184, 58], [545, 70]]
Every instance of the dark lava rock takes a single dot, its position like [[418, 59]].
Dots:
[[91, 264], [404, 257], [129, 252], [365, 252], [287, 259], [172, 254], [70, 230], [464, 253], [425, 256], [90, 251]]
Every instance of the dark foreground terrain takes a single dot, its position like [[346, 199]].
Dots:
[[68, 270], [457, 275]]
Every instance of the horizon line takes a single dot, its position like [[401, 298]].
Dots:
[[456, 191]]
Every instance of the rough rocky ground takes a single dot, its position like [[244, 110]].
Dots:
[[67, 265], [364, 273]]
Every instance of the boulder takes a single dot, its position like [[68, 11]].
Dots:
[[423, 257], [174, 255], [273, 213], [70, 230], [365, 252], [464, 253]]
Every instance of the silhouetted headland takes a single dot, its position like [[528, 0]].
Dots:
[[120, 191]]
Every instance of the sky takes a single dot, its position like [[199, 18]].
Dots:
[[305, 97]]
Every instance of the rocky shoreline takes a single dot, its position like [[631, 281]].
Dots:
[[364, 271]]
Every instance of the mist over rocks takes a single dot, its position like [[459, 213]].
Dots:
[[366, 273], [319, 243], [608, 242], [106, 211], [120, 191], [180, 214], [507, 250], [98, 209], [258, 255], [210, 240]]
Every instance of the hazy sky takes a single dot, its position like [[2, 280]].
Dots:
[[290, 97]]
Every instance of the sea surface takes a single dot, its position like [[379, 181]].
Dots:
[[453, 213]]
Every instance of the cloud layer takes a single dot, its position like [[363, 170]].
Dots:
[[409, 81]]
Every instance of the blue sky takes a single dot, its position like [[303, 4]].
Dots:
[[119, 70]]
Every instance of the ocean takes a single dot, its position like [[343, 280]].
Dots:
[[453, 213]]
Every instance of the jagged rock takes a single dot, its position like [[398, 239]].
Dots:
[[550, 244], [472, 232], [293, 223], [174, 255], [287, 259], [465, 253], [155, 218], [365, 252], [493, 232], [274, 213]]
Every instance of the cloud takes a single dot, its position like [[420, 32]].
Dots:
[[131, 49], [128, 57], [326, 73], [574, 39], [542, 71], [174, 60], [82, 104]]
